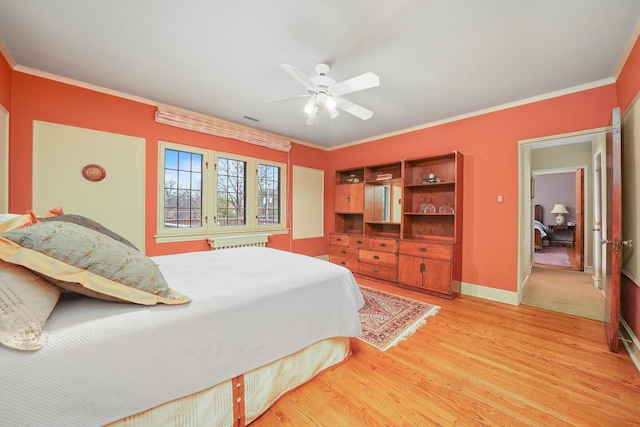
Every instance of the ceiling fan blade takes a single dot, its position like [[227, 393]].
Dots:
[[361, 82], [299, 75], [290, 98], [354, 109]]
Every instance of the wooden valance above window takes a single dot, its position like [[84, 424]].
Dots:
[[211, 126]]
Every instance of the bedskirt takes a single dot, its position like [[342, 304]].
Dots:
[[241, 400]]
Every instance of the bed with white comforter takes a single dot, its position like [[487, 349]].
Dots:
[[104, 361]]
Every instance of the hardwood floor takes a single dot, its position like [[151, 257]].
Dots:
[[475, 363]]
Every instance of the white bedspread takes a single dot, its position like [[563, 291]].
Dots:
[[104, 361]]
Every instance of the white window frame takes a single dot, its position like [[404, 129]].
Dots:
[[209, 197]]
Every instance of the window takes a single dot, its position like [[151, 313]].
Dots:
[[268, 194], [232, 193], [206, 193], [182, 189]]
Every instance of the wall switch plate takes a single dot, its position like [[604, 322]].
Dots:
[[499, 198]]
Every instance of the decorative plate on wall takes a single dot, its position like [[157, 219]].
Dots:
[[93, 173]]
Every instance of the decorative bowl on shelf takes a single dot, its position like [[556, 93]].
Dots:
[[444, 209], [427, 208]]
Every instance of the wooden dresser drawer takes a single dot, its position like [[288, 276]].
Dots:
[[383, 245], [343, 252], [379, 258], [339, 239], [381, 272], [359, 242], [351, 264], [427, 250]]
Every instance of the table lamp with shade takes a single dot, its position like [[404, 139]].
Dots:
[[560, 210]]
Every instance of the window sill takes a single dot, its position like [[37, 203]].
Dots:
[[172, 238]]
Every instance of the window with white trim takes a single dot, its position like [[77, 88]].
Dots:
[[205, 193]]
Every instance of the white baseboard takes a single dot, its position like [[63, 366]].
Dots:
[[630, 342], [499, 295]]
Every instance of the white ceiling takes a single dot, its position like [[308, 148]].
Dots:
[[436, 59]]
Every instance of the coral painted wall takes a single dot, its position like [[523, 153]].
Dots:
[[489, 144], [5, 84], [37, 98], [628, 82]]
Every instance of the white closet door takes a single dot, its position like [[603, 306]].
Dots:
[[308, 202], [60, 153]]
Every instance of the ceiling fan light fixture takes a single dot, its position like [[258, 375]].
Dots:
[[321, 98], [310, 106], [324, 93], [331, 103]]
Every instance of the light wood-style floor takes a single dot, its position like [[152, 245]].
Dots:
[[476, 363]]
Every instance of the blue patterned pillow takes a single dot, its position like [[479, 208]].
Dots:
[[88, 223], [88, 262]]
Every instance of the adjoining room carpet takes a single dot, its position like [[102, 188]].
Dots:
[[564, 291], [388, 319], [553, 255]]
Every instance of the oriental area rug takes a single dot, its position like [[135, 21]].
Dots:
[[388, 319]]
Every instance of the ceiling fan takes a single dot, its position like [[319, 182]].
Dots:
[[325, 93]]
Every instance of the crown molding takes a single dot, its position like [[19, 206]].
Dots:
[[531, 100], [7, 55], [627, 50]]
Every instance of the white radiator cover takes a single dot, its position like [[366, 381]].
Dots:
[[238, 241]]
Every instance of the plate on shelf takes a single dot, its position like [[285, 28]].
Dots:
[[427, 208], [444, 209]]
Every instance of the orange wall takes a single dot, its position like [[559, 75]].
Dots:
[[36, 98], [5, 83], [489, 144], [628, 83]]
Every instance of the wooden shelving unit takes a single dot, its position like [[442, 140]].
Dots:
[[349, 201], [402, 222], [431, 231]]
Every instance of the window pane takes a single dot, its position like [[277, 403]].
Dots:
[[170, 178], [268, 194], [171, 159], [231, 193], [182, 189]]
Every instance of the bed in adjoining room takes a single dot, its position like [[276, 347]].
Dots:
[[540, 231], [237, 329]]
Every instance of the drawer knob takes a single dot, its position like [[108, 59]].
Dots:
[[383, 245], [422, 249], [359, 242], [338, 239], [343, 251], [342, 263], [375, 270], [376, 257]]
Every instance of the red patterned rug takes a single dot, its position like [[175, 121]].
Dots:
[[388, 319]]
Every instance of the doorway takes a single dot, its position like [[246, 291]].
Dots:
[[574, 288], [559, 218]]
